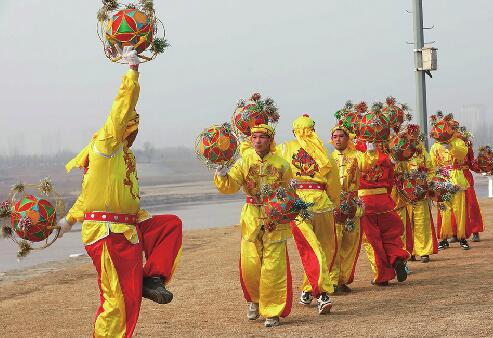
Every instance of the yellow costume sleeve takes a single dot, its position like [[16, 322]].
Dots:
[[76, 213], [333, 182], [458, 149], [433, 155], [287, 176], [122, 111], [232, 182]]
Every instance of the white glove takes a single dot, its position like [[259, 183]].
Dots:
[[446, 145], [222, 171], [128, 55], [64, 227], [370, 146]]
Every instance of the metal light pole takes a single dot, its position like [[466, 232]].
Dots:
[[420, 74]]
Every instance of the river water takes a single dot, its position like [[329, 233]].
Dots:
[[194, 215]]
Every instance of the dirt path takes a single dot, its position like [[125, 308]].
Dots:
[[450, 296]]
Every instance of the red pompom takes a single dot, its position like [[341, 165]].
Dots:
[[256, 97]]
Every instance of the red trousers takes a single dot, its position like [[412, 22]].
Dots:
[[120, 270], [383, 244]]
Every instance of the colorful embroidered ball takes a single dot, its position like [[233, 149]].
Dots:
[[281, 206], [412, 185], [33, 218], [485, 160], [374, 125], [217, 144], [405, 144], [396, 112], [441, 189], [443, 127], [253, 112], [130, 27]]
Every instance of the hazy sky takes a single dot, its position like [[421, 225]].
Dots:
[[310, 56]]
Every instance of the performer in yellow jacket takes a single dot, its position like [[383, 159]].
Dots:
[[451, 156], [115, 231], [317, 182], [424, 235], [348, 243], [265, 274]]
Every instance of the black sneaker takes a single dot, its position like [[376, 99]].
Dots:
[[475, 237], [324, 304], [425, 259], [344, 288], [306, 298], [463, 244], [153, 288], [413, 258], [400, 270], [442, 245], [386, 283]]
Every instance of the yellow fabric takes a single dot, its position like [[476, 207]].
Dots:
[[111, 183], [421, 219], [251, 172], [175, 264], [324, 229], [263, 265], [440, 157], [402, 212], [110, 322], [309, 140], [457, 206], [348, 243], [420, 213], [374, 191], [325, 201], [304, 121], [262, 128], [324, 283], [370, 253]]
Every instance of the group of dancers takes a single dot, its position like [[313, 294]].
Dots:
[[116, 231]]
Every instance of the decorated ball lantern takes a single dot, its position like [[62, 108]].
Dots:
[[375, 125], [485, 160], [397, 113], [282, 205], [217, 145], [130, 27], [443, 127], [441, 189], [350, 115], [412, 185], [133, 24], [252, 112], [405, 144], [33, 218]]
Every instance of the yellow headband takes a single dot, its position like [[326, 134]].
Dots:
[[341, 127], [303, 121], [264, 129]]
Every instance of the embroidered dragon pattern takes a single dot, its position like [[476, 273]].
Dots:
[[304, 163]]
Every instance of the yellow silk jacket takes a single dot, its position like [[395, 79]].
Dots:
[[110, 183], [347, 162], [251, 172], [305, 169], [453, 158]]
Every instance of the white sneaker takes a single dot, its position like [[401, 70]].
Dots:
[[252, 312], [272, 321], [324, 304], [306, 298]]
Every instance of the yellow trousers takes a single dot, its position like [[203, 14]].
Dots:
[[407, 232], [265, 275], [324, 229], [425, 242], [313, 258], [349, 245], [455, 209]]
